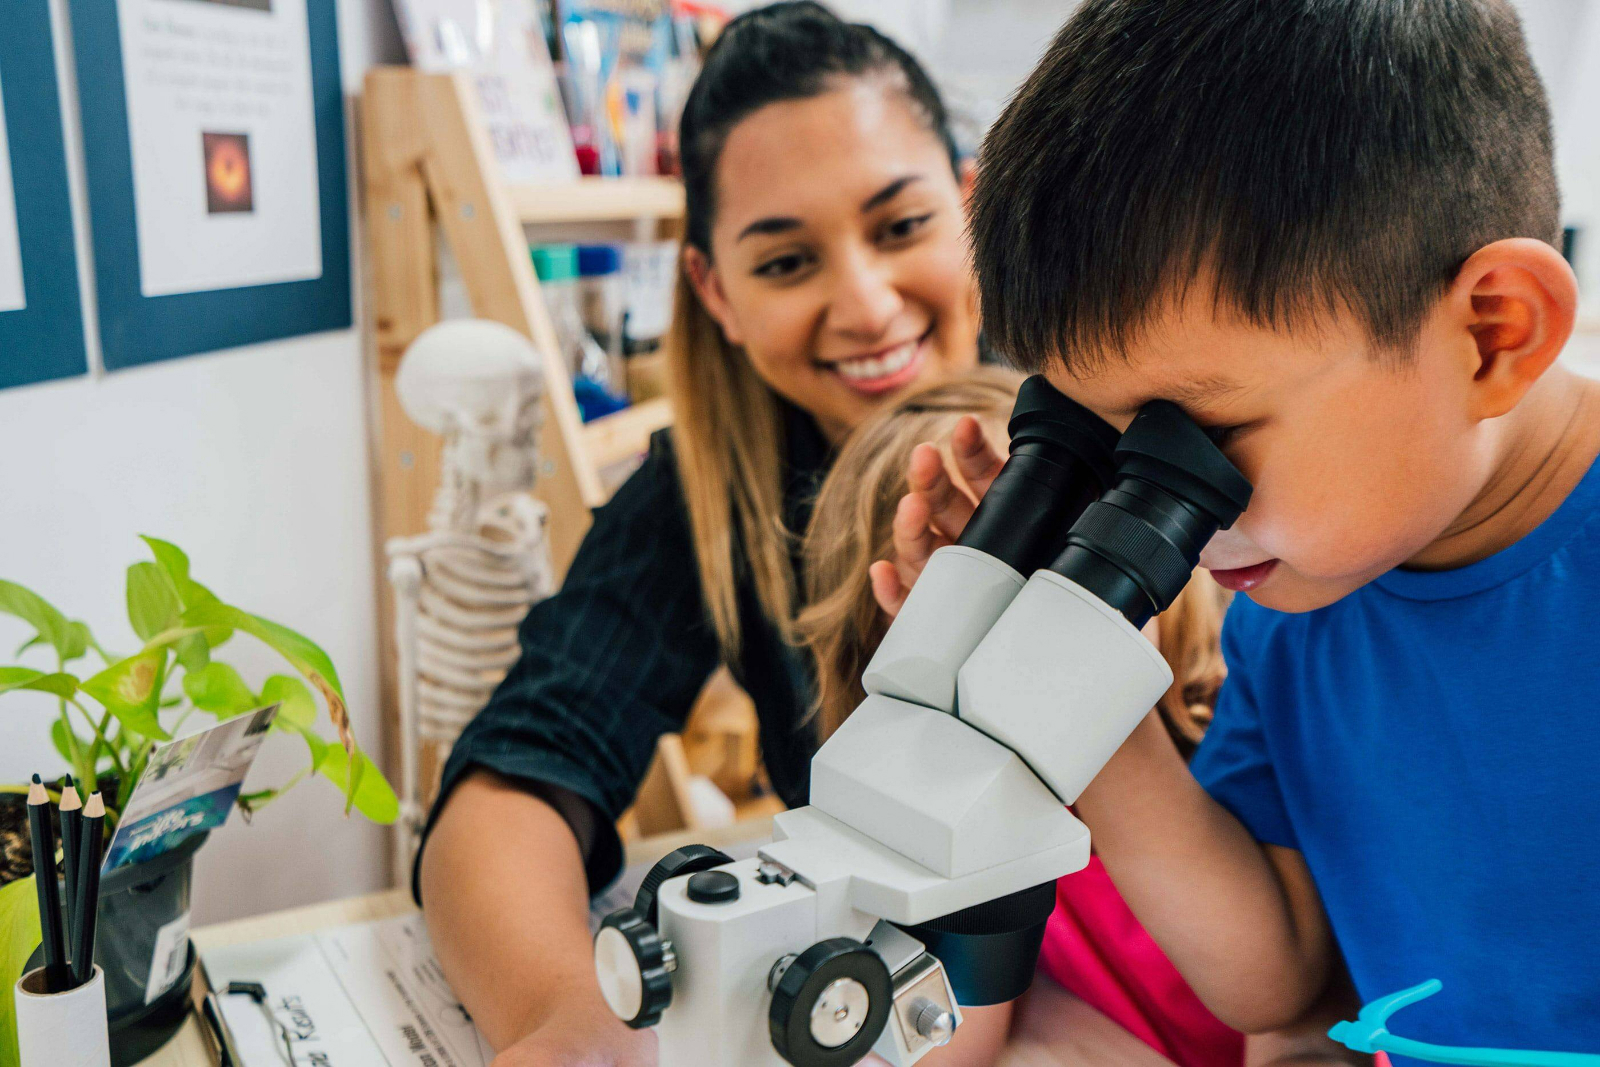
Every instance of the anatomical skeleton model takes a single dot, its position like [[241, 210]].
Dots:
[[462, 588]]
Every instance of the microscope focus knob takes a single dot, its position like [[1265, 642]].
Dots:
[[830, 1004], [690, 859], [634, 965]]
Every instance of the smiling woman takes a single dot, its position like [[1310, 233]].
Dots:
[[824, 273]]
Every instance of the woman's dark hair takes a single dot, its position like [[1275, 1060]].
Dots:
[[785, 51]]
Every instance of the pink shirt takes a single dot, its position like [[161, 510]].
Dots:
[[1096, 949]]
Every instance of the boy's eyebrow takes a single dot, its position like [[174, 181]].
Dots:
[[785, 223], [1194, 391]]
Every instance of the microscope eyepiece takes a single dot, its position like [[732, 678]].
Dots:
[[1062, 458], [1136, 546]]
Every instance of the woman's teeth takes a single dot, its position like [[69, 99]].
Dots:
[[870, 367]]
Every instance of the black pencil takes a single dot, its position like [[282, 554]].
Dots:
[[71, 832], [86, 906], [56, 975]]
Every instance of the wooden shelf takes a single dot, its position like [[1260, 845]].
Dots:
[[598, 200], [624, 434]]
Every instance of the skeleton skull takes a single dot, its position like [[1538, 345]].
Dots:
[[478, 384]]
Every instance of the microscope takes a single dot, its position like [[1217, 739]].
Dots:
[[920, 877]]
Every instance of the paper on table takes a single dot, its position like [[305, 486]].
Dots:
[[223, 136], [368, 995], [12, 296], [365, 995]]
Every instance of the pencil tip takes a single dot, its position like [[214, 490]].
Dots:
[[95, 808], [66, 780], [36, 793], [37, 780]]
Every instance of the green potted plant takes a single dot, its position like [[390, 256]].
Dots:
[[112, 712]]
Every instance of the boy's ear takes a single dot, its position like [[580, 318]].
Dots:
[[708, 287], [1519, 299]]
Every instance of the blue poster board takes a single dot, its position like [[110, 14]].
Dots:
[[44, 338], [138, 328]]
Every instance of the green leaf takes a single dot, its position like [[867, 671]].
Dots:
[[19, 936], [316, 744], [62, 685], [217, 688], [301, 652], [172, 561], [34, 610], [296, 706], [66, 743], [367, 790], [193, 652], [152, 601], [216, 636], [130, 689]]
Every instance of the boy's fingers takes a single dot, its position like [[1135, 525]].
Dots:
[[948, 508], [912, 537], [975, 457], [887, 589]]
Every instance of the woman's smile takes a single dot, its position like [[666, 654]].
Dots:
[[882, 370]]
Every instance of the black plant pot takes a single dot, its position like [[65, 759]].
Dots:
[[136, 903]]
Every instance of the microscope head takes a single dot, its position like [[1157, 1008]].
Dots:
[[1064, 676]]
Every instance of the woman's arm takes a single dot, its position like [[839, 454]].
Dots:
[[524, 827], [506, 900]]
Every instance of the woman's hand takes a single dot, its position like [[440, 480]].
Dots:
[[935, 508], [581, 1032]]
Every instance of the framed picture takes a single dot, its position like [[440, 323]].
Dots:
[[41, 319], [214, 145]]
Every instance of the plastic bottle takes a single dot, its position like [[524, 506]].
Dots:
[[601, 293], [557, 268]]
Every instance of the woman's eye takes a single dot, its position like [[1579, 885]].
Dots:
[[781, 266], [900, 229]]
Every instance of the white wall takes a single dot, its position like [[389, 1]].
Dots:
[[256, 462]]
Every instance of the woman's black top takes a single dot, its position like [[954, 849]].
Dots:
[[617, 657]]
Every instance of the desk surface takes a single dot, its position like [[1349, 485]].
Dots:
[[190, 1047]]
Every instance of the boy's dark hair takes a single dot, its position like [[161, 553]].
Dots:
[[784, 51], [1306, 155]]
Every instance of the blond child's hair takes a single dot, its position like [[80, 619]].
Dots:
[[851, 527]]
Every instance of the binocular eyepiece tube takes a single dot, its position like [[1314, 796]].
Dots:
[[1062, 458], [1136, 546]]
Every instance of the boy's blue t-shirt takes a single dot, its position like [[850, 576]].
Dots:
[[1431, 745]]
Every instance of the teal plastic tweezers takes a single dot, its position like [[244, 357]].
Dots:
[[1369, 1033]]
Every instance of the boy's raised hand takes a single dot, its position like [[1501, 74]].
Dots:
[[935, 509]]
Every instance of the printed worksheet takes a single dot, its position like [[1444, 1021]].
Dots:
[[12, 296], [367, 995], [223, 136]]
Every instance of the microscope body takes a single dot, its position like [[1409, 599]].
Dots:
[[938, 808]]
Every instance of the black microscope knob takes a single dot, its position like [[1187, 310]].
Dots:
[[634, 966], [831, 1004], [686, 860]]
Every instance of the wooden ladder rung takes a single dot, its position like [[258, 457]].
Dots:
[[598, 200]]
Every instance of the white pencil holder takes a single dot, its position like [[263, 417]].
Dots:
[[62, 1029]]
